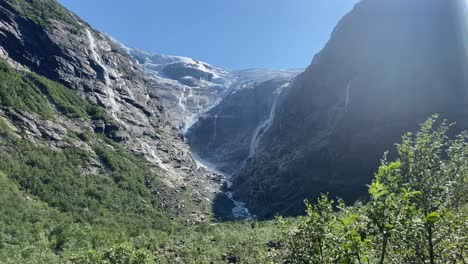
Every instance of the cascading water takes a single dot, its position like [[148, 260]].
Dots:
[[240, 210], [265, 125]]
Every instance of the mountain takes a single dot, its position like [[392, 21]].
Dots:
[[388, 65], [198, 95], [102, 91], [220, 112], [186, 86], [95, 167], [142, 102], [226, 135]]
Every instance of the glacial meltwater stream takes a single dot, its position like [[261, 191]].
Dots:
[[240, 210]]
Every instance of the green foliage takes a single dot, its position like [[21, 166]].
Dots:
[[43, 11], [66, 100], [417, 212], [19, 92], [320, 220], [114, 195], [33, 93], [52, 209], [122, 254], [324, 236]]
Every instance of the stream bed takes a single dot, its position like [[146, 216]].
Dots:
[[228, 208]]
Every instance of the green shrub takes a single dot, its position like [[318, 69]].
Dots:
[[121, 254], [417, 212]]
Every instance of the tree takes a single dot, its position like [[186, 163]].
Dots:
[[315, 240], [389, 209], [417, 210], [435, 166]]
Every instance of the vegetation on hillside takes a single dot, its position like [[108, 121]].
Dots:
[[33, 93], [52, 210], [19, 92], [43, 11]]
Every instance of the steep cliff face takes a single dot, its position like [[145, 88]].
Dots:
[[388, 66], [44, 38], [227, 135], [222, 113]]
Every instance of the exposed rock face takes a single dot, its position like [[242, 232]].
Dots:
[[101, 71], [388, 66], [186, 86], [220, 111], [227, 134]]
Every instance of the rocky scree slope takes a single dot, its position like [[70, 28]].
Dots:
[[388, 66], [43, 38]]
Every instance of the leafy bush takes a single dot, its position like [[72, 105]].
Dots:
[[417, 212]]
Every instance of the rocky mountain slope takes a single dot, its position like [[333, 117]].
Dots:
[[388, 66], [149, 100], [221, 113], [227, 134], [43, 38], [186, 86]]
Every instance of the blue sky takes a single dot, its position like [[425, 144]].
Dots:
[[235, 34]]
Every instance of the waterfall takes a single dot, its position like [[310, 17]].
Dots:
[[265, 125], [348, 87], [96, 57]]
